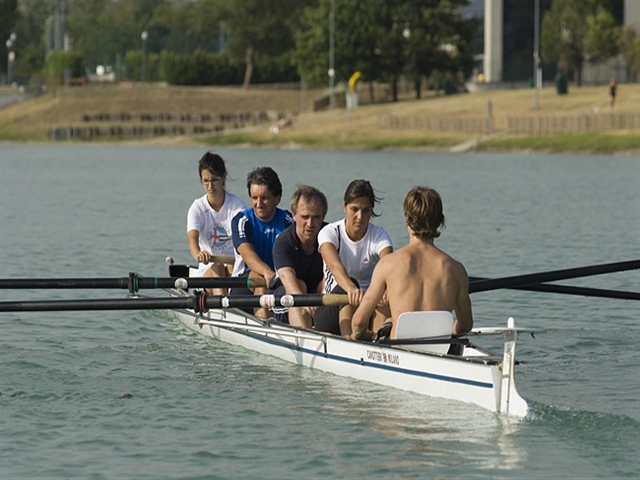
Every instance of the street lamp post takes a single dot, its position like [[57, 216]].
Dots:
[[48, 36], [332, 72], [537, 77], [144, 55], [11, 45]]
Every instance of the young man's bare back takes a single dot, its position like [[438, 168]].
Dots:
[[419, 276]]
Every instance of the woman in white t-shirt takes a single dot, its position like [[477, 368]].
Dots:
[[209, 220], [350, 250]]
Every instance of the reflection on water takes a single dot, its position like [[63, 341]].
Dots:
[[435, 432]]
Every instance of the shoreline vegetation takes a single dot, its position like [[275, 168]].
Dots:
[[31, 120]]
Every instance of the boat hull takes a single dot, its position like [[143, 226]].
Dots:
[[475, 377]]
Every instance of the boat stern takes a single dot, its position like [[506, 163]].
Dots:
[[509, 400]]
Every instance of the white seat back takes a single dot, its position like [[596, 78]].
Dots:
[[425, 324]]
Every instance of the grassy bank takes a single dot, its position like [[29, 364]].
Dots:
[[360, 128], [588, 143]]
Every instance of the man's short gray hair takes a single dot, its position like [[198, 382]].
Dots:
[[309, 194]]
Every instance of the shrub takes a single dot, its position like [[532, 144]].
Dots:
[[269, 69], [199, 68], [58, 61], [133, 62]]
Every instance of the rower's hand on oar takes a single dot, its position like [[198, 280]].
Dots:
[[268, 276], [204, 257], [355, 296]]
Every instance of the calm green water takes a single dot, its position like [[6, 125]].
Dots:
[[203, 409]]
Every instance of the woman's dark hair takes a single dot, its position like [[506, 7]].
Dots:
[[361, 188], [214, 163]]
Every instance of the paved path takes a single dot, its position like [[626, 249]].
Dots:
[[473, 143], [7, 99]]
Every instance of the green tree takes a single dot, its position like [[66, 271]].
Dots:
[[630, 48], [393, 45], [439, 38], [384, 39], [311, 54], [184, 27], [564, 34], [102, 30], [365, 40], [30, 62], [206, 20], [9, 16], [29, 28], [260, 27], [603, 37]]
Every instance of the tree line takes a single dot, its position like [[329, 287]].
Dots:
[[574, 32], [196, 42]]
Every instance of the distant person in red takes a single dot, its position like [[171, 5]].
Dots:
[[613, 90]]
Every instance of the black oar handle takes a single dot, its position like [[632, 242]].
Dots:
[[133, 283], [98, 304], [533, 278], [199, 302], [28, 283], [571, 290]]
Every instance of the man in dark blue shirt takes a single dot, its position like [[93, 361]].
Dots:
[[297, 261], [255, 229]]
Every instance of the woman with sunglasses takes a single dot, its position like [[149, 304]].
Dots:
[[209, 220]]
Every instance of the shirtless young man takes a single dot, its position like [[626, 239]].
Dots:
[[420, 276]]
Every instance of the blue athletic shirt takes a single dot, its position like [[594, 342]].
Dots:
[[246, 227]]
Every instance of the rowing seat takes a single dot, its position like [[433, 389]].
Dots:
[[179, 270], [425, 324]]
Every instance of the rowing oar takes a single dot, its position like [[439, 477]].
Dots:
[[227, 260], [133, 282], [200, 302], [571, 290], [536, 278]]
